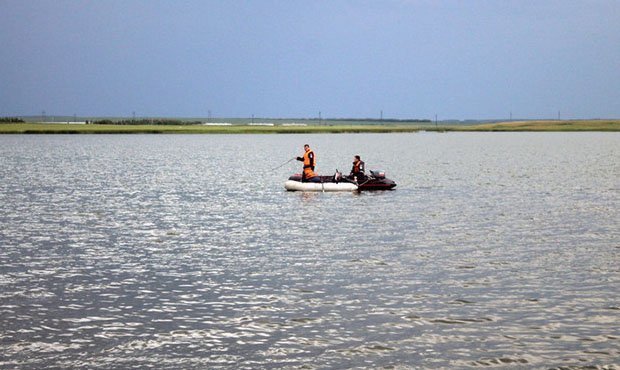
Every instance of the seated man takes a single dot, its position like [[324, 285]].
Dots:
[[357, 172]]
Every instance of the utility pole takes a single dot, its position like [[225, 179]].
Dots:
[[320, 118], [381, 115], [436, 121]]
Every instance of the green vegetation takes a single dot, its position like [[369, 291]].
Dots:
[[175, 127], [11, 120], [146, 122], [38, 128], [576, 125]]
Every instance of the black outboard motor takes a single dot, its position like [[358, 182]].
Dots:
[[378, 174], [376, 181]]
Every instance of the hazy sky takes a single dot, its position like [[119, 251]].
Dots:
[[344, 58]]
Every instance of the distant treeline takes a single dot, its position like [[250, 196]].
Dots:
[[11, 120], [378, 120], [145, 121], [368, 120], [178, 122]]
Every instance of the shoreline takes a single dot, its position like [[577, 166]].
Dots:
[[513, 126]]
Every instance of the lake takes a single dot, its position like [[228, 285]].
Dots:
[[185, 251]]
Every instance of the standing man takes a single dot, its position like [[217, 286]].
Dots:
[[309, 163], [357, 172]]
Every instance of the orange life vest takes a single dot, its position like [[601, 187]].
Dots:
[[358, 166], [309, 162]]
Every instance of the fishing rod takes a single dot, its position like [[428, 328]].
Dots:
[[275, 168]]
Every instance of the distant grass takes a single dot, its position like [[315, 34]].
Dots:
[[577, 125], [40, 128]]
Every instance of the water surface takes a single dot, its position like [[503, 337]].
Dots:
[[174, 251]]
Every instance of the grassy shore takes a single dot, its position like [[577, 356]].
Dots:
[[45, 128], [39, 128], [577, 125]]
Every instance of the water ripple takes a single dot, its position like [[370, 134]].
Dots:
[[178, 252]]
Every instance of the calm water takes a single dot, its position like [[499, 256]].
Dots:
[[496, 249]]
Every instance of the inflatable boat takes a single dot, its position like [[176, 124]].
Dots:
[[375, 181]]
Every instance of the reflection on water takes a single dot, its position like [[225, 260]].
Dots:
[[185, 251]]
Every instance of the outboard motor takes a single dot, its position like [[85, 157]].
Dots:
[[378, 174], [337, 176]]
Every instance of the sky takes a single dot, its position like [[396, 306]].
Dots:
[[456, 59]]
